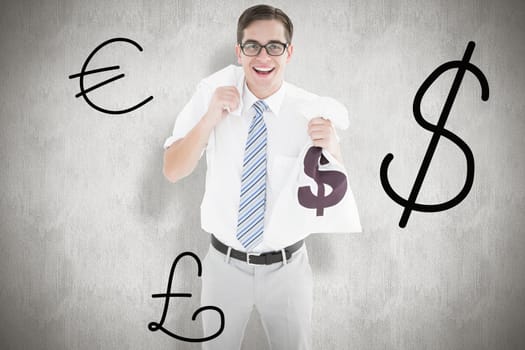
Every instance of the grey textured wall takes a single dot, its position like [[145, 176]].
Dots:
[[89, 227]]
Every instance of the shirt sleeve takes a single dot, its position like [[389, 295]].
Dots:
[[190, 114]]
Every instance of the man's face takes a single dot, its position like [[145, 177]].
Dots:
[[261, 83]]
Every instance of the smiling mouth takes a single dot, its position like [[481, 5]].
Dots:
[[263, 71]]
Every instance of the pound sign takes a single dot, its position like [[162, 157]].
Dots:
[[154, 326]]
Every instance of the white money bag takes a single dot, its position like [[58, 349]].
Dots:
[[316, 197]]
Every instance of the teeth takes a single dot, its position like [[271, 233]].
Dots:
[[263, 69]]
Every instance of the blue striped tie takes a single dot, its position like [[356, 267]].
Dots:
[[250, 223]]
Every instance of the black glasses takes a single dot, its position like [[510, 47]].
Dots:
[[273, 48]]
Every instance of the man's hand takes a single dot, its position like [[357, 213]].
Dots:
[[181, 158], [224, 100], [323, 135]]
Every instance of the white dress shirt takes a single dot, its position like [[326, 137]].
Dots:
[[287, 136]]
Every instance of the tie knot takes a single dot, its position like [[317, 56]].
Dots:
[[260, 106]]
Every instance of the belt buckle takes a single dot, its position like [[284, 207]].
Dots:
[[248, 258]]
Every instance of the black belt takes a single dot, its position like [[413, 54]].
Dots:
[[256, 258]]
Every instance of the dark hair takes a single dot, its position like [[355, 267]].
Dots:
[[259, 12]]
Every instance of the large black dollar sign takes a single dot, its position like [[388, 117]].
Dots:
[[333, 178], [438, 130]]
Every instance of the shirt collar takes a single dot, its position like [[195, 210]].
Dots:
[[273, 101]]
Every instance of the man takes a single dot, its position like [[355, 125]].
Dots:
[[247, 121]]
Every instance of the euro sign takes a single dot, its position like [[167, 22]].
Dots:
[[83, 72]]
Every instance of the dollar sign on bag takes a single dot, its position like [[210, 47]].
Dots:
[[335, 179], [438, 131]]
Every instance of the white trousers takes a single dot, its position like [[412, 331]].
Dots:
[[281, 293]]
